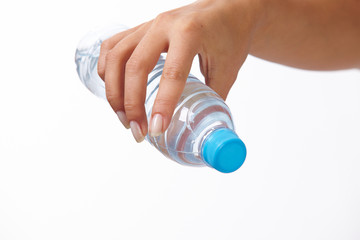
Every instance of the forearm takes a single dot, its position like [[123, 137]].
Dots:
[[309, 34]]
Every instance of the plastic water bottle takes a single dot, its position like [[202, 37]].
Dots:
[[201, 132]]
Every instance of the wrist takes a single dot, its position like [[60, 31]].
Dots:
[[254, 14]]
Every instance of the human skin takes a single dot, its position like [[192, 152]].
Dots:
[[308, 34]]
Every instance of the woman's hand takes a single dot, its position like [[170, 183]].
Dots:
[[218, 31]]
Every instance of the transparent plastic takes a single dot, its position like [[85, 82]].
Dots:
[[199, 112]]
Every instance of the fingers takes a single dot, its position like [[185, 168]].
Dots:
[[139, 65], [221, 78], [109, 44], [221, 81], [176, 70], [115, 69], [127, 66]]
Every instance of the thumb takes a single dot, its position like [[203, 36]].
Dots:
[[221, 79]]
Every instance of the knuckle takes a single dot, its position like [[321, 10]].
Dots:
[[162, 18], [174, 74], [190, 25], [164, 105], [112, 97], [118, 53], [132, 109], [105, 45], [133, 66], [112, 57], [130, 106], [114, 100], [163, 102]]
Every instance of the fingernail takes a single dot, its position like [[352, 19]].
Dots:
[[136, 131], [123, 119], [156, 125]]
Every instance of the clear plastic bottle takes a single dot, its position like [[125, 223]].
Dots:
[[201, 132]]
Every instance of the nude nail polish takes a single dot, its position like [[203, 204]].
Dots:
[[123, 119], [136, 131], [156, 125]]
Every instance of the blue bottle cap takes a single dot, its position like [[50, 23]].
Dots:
[[224, 150]]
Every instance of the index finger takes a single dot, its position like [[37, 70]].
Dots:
[[176, 70]]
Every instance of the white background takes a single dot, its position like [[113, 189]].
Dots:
[[69, 170]]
